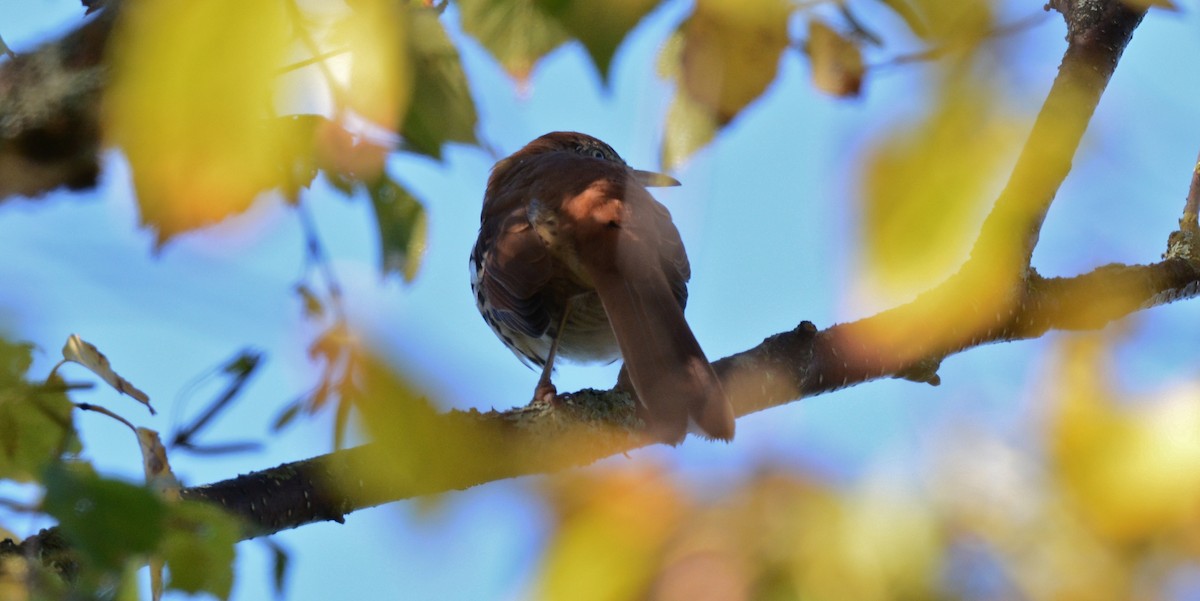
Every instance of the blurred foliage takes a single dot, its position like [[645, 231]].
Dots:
[[188, 105], [1105, 505], [36, 420], [442, 109], [193, 102], [927, 186], [107, 528], [402, 228]]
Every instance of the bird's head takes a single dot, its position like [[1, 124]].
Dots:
[[584, 145]]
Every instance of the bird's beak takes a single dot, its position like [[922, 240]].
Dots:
[[651, 179]]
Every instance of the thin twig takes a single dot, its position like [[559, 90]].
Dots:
[[995, 33], [340, 94], [316, 256], [312, 61]]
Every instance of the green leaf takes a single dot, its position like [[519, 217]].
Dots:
[[199, 548], [36, 425], [279, 562], [108, 520], [15, 359], [402, 228], [442, 109], [288, 414], [298, 162], [600, 26], [517, 32]]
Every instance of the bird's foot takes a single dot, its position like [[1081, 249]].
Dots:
[[545, 393]]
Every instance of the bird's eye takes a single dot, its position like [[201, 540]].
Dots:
[[598, 154]]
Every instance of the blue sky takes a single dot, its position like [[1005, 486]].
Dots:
[[769, 214]]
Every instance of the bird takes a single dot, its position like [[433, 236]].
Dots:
[[575, 259]]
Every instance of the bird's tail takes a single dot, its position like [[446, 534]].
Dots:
[[673, 379]]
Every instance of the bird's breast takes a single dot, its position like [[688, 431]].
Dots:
[[587, 335]]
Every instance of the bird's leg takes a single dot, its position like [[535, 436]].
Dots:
[[545, 390]]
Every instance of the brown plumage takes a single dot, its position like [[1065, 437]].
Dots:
[[573, 250]]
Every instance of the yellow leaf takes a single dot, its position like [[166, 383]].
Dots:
[[189, 104], [927, 188], [731, 52], [380, 70], [1134, 471], [613, 528], [956, 25]]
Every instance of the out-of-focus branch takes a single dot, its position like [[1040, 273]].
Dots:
[[50, 132]]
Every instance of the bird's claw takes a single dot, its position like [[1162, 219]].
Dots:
[[546, 393]]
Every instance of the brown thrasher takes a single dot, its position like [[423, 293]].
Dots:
[[575, 258]]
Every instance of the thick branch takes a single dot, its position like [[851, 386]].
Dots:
[[461, 450]]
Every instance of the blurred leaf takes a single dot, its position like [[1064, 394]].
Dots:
[[402, 228], [108, 520], [313, 306], [927, 187], [401, 421], [953, 25], [199, 548], [1148, 4], [341, 356], [837, 64], [442, 109], [689, 128], [280, 561], [78, 350], [911, 17], [15, 359], [613, 527], [127, 588], [381, 75], [297, 136], [288, 414], [731, 51], [348, 159], [517, 32], [189, 102], [1133, 470], [36, 422], [600, 26]]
